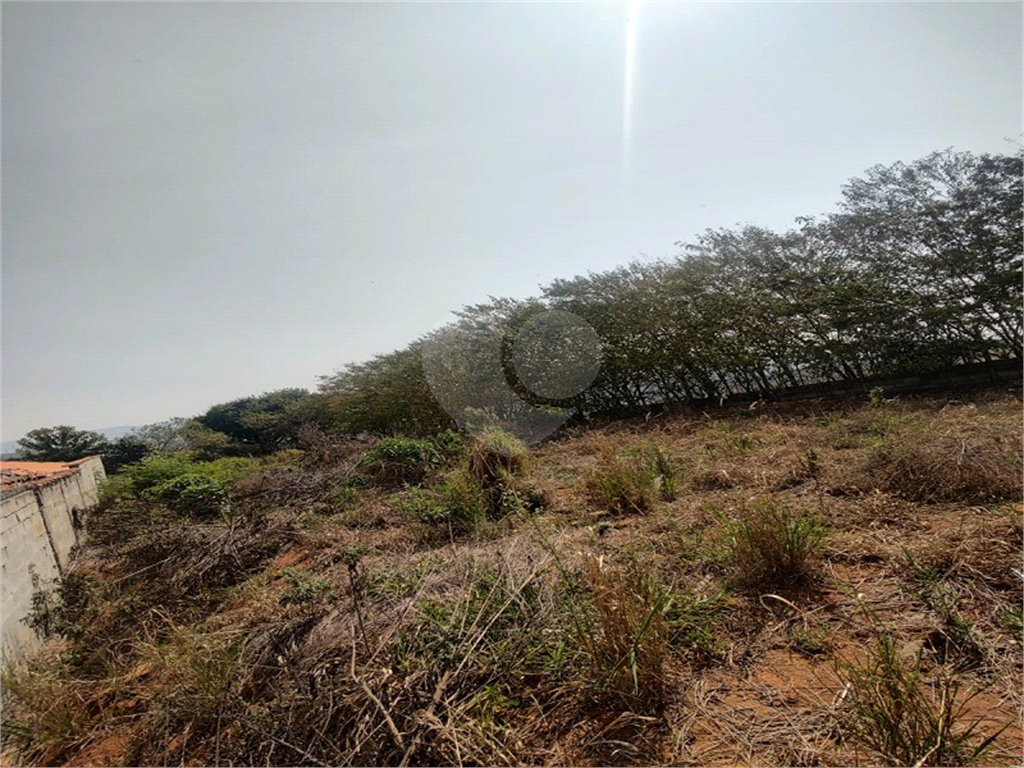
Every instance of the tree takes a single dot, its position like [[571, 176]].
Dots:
[[61, 443], [127, 449], [165, 436], [258, 424]]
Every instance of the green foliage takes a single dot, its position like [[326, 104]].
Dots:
[[876, 397], [693, 624], [198, 496], [61, 443], [496, 456], [457, 505], [155, 470], [664, 473], [918, 269], [59, 607], [810, 641], [396, 461], [258, 424], [166, 436], [127, 449], [180, 482], [303, 587], [449, 443], [770, 545], [624, 631]]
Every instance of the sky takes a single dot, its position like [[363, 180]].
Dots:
[[204, 201]]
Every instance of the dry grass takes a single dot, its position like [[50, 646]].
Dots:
[[626, 634], [335, 620], [619, 485], [773, 546], [891, 706]]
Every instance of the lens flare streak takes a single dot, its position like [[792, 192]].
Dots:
[[632, 8]]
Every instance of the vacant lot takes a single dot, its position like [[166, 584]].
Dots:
[[814, 583]]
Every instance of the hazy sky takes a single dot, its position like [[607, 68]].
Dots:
[[203, 201]]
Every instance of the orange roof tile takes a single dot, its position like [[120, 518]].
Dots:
[[17, 473]]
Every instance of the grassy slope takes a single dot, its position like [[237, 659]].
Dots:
[[622, 623]]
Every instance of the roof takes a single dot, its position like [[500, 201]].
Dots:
[[18, 473]]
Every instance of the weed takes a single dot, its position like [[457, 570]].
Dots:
[[693, 624], [393, 582], [62, 607], [977, 466], [664, 473], [196, 496], [303, 587], [626, 635], [955, 639], [44, 720], [810, 641], [456, 504], [877, 398], [724, 440], [771, 545], [620, 486], [1013, 622], [882, 425], [343, 497], [893, 709]]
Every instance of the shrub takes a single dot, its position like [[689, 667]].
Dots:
[[664, 473], [230, 469], [154, 470], [449, 443], [303, 587], [159, 469], [191, 494], [457, 504], [397, 461], [771, 545], [497, 462]]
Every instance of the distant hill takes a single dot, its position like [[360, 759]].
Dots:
[[111, 433]]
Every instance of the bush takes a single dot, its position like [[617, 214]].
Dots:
[[158, 470], [397, 461], [770, 545], [191, 494], [303, 587], [155, 470], [457, 504]]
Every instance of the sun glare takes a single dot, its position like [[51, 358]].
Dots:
[[632, 10]]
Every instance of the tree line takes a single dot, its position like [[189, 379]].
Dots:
[[917, 269]]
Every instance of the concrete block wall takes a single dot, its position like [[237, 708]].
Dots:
[[40, 523]]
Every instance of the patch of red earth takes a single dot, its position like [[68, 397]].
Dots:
[[107, 751], [724, 708], [290, 558]]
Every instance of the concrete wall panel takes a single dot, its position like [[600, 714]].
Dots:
[[37, 533]]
